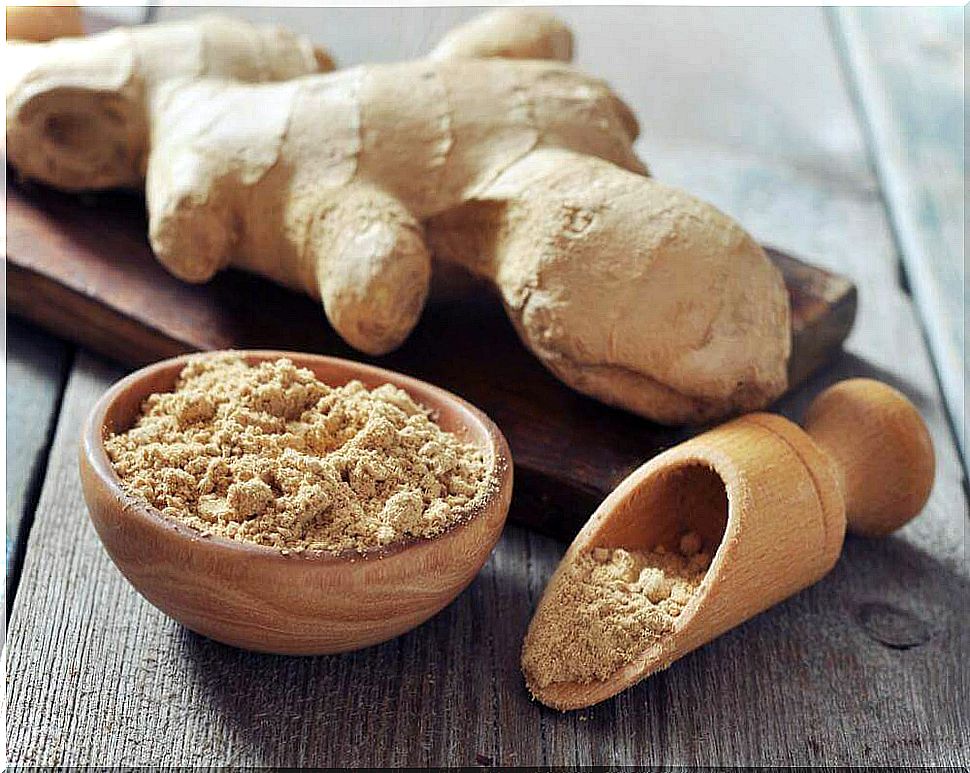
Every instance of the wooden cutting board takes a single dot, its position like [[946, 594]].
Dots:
[[81, 267]]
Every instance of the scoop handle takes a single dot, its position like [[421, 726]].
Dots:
[[880, 449]]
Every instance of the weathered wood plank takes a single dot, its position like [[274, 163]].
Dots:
[[864, 668], [908, 70], [36, 371]]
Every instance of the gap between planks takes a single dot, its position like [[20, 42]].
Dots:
[[902, 69], [38, 366]]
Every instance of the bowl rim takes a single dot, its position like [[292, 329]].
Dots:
[[95, 454]]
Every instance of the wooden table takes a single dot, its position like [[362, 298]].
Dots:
[[835, 135]]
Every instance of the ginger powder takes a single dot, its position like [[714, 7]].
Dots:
[[606, 607], [271, 455]]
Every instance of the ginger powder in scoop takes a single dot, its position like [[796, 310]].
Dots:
[[269, 454], [607, 607]]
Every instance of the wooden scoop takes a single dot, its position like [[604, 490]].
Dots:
[[308, 603], [770, 501]]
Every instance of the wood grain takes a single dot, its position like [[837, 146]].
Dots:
[[37, 366], [746, 107], [84, 269], [908, 70]]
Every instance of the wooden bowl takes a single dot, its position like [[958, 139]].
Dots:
[[253, 596]]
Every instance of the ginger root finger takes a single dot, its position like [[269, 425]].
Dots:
[[189, 220], [373, 269], [508, 33], [518, 33], [77, 108], [214, 144], [629, 291]]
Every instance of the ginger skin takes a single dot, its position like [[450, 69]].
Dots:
[[78, 108], [523, 172]]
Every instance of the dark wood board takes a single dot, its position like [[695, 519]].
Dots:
[[82, 268]]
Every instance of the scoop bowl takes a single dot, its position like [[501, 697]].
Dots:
[[307, 603], [771, 502]]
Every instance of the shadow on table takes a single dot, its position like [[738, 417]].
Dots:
[[812, 670], [847, 365], [416, 700]]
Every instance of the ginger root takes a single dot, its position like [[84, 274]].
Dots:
[[78, 108], [344, 185]]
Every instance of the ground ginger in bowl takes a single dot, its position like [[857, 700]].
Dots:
[[293, 503], [269, 454]]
